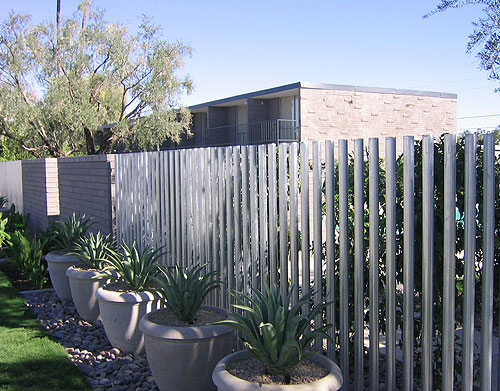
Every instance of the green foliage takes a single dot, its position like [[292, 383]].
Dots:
[[183, 291], [486, 33], [133, 268], [16, 221], [26, 253], [56, 93], [277, 335], [94, 251], [3, 201], [4, 234], [69, 231]]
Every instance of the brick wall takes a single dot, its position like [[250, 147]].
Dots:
[[40, 191], [344, 114], [87, 185]]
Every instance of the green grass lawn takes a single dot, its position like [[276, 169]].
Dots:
[[29, 359]]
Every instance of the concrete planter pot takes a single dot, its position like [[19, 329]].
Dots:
[[83, 287], [227, 382], [183, 358], [58, 263], [121, 313]]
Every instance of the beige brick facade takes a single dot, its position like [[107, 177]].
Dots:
[[330, 114]]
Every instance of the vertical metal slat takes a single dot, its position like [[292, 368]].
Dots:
[[344, 262], [469, 262], [390, 166], [373, 206], [427, 259]]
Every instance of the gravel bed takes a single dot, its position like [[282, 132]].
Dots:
[[105, 367]]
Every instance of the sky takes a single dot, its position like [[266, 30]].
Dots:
[[243, 46]]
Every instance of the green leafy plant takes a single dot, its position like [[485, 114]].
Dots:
[[69, 231], [183, 290], [16, 221], [94, 251], [4, 235], [26, 253], [277, 334], [135, 269], [3, 201]]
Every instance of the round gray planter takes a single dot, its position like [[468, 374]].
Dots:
[[227, 382], [83, 287], [121, 313], [58, 263], [183, 358]]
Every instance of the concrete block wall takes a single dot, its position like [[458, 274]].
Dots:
[[40, 191], [11, 183], [87, 185], [350, 114]]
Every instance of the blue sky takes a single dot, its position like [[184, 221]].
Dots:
[[242, 46]]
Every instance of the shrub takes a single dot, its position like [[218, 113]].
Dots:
[[277, 335], [183, 290], [26, 253], [94, 251], [69, 231], [4, 235], [135, 269], [16, 221]]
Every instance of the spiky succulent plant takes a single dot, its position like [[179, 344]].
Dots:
[[277, 334], [69, 231], [183, 290], [3, 201], [94, 251], [133, 268]]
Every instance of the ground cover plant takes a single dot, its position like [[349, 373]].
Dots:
[[29, 359]]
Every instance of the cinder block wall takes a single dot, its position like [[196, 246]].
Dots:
[[40, 191], [87, 185], [350, 114]]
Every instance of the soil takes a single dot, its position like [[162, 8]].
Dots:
[[203, 317], [19, 283], [254, 371], [118, 286]]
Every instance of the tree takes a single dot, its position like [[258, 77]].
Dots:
[[55, 93], [486, 34]]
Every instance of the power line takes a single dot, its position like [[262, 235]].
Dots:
[[447, 82], [480, 116]]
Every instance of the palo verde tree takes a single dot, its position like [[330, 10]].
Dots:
[[55, 91], [485, 38]]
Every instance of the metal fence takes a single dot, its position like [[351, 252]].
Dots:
[[299, 217], [11, 183]]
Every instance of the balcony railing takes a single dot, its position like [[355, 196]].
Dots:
[[265, 132]]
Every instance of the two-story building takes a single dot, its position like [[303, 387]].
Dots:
[[307, 112]]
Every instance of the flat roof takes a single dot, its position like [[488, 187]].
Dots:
[[321, 86]]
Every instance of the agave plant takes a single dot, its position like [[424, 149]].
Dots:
[[133, 268], [94, 251], [3, 201], [183, 290], [277, 335], [69, 231]]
